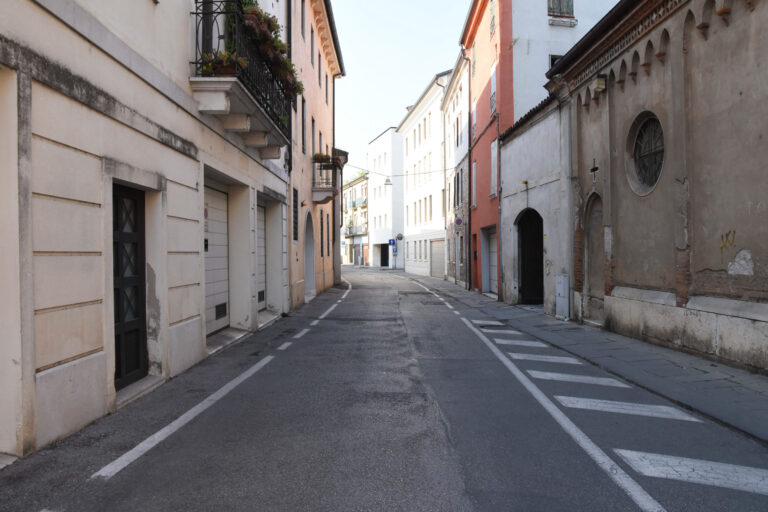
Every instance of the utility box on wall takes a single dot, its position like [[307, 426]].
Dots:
[[562, 297]]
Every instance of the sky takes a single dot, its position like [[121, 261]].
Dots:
[[391, 50]]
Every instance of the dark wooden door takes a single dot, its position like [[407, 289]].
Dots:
[[531, 239], [130, 310]]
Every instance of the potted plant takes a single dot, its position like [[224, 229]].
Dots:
[[222, 63]]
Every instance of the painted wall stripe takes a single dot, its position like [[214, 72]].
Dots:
[[544, 359], [717, 474], [653, 411], [520, 343], [127, 458], [635, 492], [580, 379]]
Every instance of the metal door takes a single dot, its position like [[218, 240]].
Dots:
[[261, 257], [216, 248], [129, 290], [437, 258], [493, 265]]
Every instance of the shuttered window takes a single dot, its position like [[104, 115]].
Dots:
[[560, 7]]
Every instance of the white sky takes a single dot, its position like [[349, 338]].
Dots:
[[391, 49]]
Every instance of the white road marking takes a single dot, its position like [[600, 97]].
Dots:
[[718, 474], [448, 306], [284, 345], [314, 322], [338, 302], [456, 313], [520, 343], [653, 411], [636, 493], [486, 322], [544, 359], [127, 458], [500, 331], [300, 334], [349, 288], [321, 317], [580, 379]]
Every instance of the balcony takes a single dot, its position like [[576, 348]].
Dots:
[[355, 230], [244, 94], [325, 183], [360, 202]]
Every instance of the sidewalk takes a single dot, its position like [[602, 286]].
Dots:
[[731, 396]]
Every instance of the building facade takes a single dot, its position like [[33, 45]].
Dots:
[[385, 201], [315, 249], [669, 176], [355, 228], [148, 202], [511, 44], [456, 119], [424, 188]]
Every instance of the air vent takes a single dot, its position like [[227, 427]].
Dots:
[[261, 296], [221, 310]]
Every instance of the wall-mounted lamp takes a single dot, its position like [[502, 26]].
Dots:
[[387, 181], [600, 83], [303, 204]]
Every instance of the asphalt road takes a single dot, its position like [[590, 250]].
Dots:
[[386, 395]]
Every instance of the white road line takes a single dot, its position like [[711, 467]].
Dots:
[[120, 463], [314, 322], [544, 359], [321, 317], [520, 343], [338, 302], [718, 474], [580, 379], [500, 331], [456, 313], [300, 334], [349, 288], [284, 345], [486, 322], [448, 306], [653, 411], [636, 493]]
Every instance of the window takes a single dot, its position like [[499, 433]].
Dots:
[[328, 233], [313, 135], [421, 211], [303, 18], [321, 141], [494, 165], [322, 238], [442, 201], [430, 207], [415, 214], [303, 125], [647, 146], [407, 219], [406, 146], [474, 119], [560, 7], [474, 59], [326, 88], [295, 215], [493, 89], [312, 46], [474, 184], [319, 71]]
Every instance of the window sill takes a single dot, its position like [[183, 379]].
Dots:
[[562, 21], [492, 196]]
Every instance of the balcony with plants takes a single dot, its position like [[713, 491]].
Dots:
[[325, 182], [242, 74]]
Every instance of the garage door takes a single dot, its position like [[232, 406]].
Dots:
[[493, 267], [216, 247], [261, 257], [437, 261]]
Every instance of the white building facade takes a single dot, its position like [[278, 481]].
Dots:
[[355, 249], [541, 37], [456, 119], [385, 200], [424, 173]]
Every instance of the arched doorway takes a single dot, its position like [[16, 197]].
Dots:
[[594, 282], [309, 258], [530, 236]]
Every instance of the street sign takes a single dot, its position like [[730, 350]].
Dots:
[[459, 221], [394, 250], [392, 242]]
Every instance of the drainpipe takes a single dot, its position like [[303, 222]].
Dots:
[[498, 197], [445, 185], [468, 224]]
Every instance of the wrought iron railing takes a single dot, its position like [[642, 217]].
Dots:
[[355, 230], [220, 27], [324, 176]]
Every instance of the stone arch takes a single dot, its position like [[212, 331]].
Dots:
[[648, 57], [635, 67], [587, 98], [688, 27], [622, 74], [310, 289], [594, 258], [661, 54], [530, 250], [705, 17]]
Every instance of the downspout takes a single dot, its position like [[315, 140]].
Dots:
[[498, 197], [337, 217], [468, 228]]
